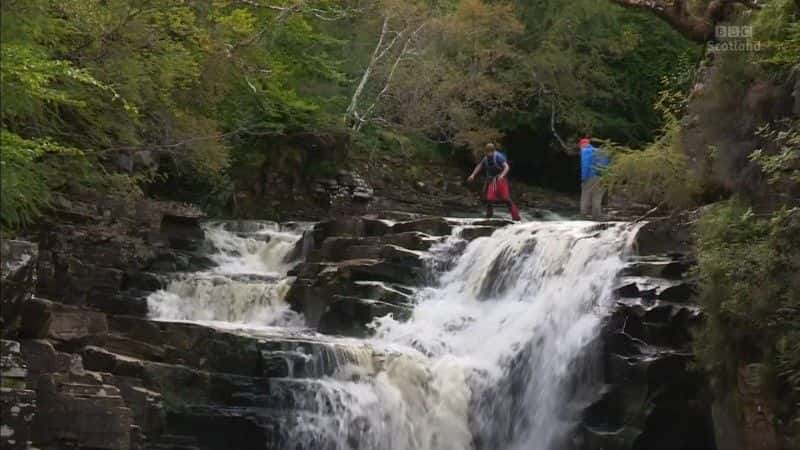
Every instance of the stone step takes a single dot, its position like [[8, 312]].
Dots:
[[45, 319], [13, 369], [435, 226], [679, 291], [659, 324], [340, 248], [665, 268], [311, 359], [91, 390], [310, 396]]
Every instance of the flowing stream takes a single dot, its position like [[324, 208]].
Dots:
[[498, 354]]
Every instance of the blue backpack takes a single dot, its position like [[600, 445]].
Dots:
[[495, 158]]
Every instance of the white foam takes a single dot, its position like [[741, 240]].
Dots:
[[247, 286]]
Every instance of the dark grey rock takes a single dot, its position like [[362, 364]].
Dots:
[[183, 232], [17, 279]]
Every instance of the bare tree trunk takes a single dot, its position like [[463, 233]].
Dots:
[[405, 51], [351, 109]]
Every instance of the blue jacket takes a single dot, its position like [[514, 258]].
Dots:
[[592, 162]]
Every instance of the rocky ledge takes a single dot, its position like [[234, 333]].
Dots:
[[83, 367]]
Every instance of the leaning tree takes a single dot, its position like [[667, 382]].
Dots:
[[694, 19]]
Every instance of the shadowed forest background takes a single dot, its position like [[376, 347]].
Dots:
[[210, 87]]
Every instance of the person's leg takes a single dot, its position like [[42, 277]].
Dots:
[[586, 203], [598, 192], [489, 208], [513, 210]]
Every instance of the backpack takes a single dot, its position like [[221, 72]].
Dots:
[[494, 157]]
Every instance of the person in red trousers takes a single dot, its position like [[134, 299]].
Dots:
[[497, 190]]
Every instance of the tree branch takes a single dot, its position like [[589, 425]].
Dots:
[[698, 28]]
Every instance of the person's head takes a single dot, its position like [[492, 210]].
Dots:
[[489, 148], [584, 142]]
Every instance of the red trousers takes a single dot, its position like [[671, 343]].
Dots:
[[497, 191]]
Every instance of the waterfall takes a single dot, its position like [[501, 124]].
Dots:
[[498, 354], [246, 287]]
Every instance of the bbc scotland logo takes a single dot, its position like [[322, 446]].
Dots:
[[734, 38]]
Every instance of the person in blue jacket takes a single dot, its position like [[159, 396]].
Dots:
[[592, 191]]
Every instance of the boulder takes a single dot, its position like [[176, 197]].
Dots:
[[144, 281], [36, 318], [667, 236], [60, 322], [350, 316], [183, 232], [42, 358], [682, 293], [17, 278], [380, 270]]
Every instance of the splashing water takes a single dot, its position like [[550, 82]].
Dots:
[[497, 355], [247, 286], [499, 352]]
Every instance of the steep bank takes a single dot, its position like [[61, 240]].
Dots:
[[499, 320]]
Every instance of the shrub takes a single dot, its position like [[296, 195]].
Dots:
[[657, 175], [749, 272]]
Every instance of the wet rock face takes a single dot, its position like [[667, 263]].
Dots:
[[112, 266], [652, 398], [90, 371], [183, 232], [17, 403], [360, 268], [17, 278]]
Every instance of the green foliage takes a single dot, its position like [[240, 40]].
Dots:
[[24, 188], [658, 175], [201, 84], [603, 66], [777, 29], [750, 293], [784, 163]]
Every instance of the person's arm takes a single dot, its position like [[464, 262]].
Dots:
[[476, 171], [506, 168], [586, 165]]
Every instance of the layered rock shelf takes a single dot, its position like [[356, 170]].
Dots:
[[84, 367]]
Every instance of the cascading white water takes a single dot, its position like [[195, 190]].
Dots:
[[247, 286], [497, 354], [494, 355]]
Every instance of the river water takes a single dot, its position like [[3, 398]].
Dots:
[[498, 354]]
